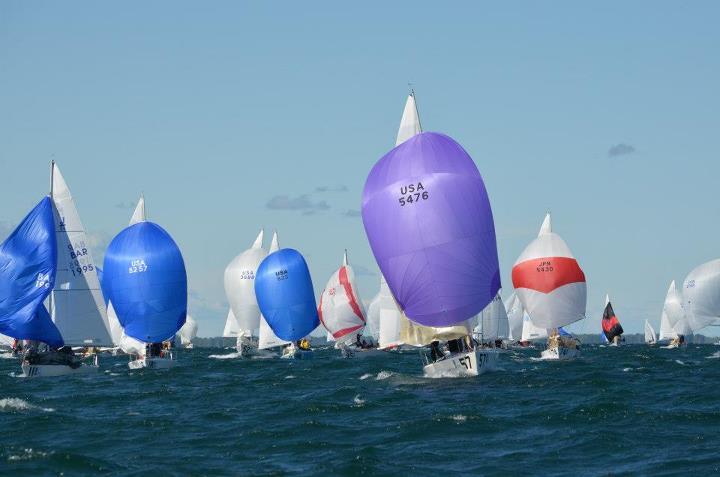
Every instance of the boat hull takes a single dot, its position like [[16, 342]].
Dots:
[[560, 353], [152, 363], [51, 370], [297, 354], [462, 365]]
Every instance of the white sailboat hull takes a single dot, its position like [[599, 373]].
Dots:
[[560, 353], [51, 370], [462, 365], [289, 353], [355, 352], [152, 363]]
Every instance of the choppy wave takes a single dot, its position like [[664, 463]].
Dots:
[[17, 404]]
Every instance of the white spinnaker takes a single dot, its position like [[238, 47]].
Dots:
[[530, 331], [189, 330], [666, 330], [410, 122], [341, 309], [493, 321], [515, 317], [78, 305], [232, 329], [649, 333], [126, 343], [675, 312], [266, 336], [139, 213], [240, 286], [701, 296], [329, 337], [560, 306]]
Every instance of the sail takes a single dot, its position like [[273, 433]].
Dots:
[[240, 286], [144, 275], [189, 330], [266, 337], [515, 317], [116, 329], [701, 296], [410, 122], [428, 219], [649, 333], [329, 337], [341, 311], [549, 282], [530, 331], [28, 259], [610, 324], [232, 328], [674, 312], [285, 295], [493, 321], [139, 213], [78, 304], [373, 318]]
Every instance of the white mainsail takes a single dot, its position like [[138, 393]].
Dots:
[[78, 308], [266, 336], [139, 213], [341, 310], [232, 329], [390, 317], [649, 333], [515, 317], [240, 286], [492, 321], [373, 319], [530, 331], [701, 296], [189, 330], [410, 122]]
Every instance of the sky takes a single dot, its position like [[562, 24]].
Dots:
[[233, 116]]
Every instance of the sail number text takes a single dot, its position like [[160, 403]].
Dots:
[[545, 266], [412, 193], [281, 275], [137, 266]]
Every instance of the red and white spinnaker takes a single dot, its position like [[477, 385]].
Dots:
[[549, 282], [341, 311]]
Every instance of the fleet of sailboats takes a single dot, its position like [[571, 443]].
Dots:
[[439, 287]]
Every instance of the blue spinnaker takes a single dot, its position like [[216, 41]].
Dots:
[[144, 278], [285, 295], [28, 261]]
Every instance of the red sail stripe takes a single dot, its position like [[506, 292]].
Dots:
[[346, 331], [348, 290], [609, 323], [546, 274]]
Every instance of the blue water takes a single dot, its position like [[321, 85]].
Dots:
[[627, 410]]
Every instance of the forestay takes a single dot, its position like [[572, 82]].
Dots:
[[549, 282]]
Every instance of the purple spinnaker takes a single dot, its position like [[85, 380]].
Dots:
[[428, 219]]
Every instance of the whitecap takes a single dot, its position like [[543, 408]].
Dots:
[[225, 356], [27, 454], [383, 375], [289, 376], [679, 362], [7, 356], [715, 355], [365, 376], [17, 404], [358, 402], [459, 418], [627, 369]]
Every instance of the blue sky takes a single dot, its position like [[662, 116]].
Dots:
[[232, 116]]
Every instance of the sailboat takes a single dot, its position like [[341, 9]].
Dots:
[[611, 326], [146, 285], [429, 223], [492, 324], [286, 300], [650, 336], [674, 325], [515, 314], [701, 298], [47, 257], [551, 286], [341, 311], [188, 332], [267, 340], [231, 329], [240, 292]]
